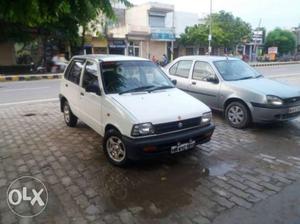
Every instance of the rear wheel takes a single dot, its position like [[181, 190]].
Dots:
[[114, 148], [69, 117], [237, 115]]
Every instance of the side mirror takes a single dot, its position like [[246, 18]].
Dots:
[[213, 79], [93, 88], [174, 81]]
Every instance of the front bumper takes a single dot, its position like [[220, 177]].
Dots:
[[161, 144], [261, 113]]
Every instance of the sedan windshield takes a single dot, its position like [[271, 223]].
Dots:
[[133, 76], [233, 70]]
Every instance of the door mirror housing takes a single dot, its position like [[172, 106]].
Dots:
[[93, 88], [174, 81]]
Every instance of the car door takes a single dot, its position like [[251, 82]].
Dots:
[[204, 84], [180, 72], [90, 96], [70, 84]]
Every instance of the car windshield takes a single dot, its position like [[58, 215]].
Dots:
[[133, 76], [233, 70]]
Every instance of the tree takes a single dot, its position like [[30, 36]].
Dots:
[[227, 31], [23, 20], [283, 39]]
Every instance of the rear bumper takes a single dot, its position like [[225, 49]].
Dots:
[[268, 114], [161, 145]]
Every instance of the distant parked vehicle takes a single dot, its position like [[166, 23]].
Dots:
[[232, 86]]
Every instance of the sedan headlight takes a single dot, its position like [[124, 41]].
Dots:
[[274, 100], [142, 129], [206, 118]]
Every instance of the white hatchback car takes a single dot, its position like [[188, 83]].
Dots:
[[134, 106]]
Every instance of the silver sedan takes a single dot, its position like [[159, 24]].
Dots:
[[232, 86]]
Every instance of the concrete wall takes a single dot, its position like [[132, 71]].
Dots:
[[137, 16], [7, 54], [157, 48]]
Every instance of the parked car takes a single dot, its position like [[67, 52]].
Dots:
[[134, 106], [232, 86]]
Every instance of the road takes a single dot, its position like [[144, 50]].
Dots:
[[47, 90], [28, 91]]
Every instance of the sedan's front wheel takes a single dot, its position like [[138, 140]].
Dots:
[[237, 115]]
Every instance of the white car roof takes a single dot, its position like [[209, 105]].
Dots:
[[110, 57], [206, 58]]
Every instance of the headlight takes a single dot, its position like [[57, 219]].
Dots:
[[274, 100], [206, 118], [142, 129]]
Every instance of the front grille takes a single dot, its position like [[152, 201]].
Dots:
[[177, 125], [292, 100]]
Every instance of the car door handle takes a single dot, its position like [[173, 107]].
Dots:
[[194, 83], [66, 85], [82, 94]]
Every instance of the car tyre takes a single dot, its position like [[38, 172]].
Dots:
[[114, 148], [69, 117], [237, 115]]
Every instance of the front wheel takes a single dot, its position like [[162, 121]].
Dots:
[[237, 115], [114, 148]]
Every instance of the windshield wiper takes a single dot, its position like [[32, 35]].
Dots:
[[160, 87], [247, 77], [258, 76], [136, 89]]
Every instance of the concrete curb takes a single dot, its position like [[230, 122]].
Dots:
[[5, 78], [264, 64]]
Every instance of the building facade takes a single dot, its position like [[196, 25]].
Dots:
[[144, 32]]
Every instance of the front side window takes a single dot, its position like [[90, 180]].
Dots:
[[130, 76], [181, 68], [233, 70], [75, 71], [90, 77], [202, 71]]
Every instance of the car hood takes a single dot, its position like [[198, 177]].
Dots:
[[160, 106], [268, 87]]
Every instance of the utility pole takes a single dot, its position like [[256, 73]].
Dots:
[[210, 28]]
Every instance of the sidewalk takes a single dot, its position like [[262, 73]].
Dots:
[[281, 208]]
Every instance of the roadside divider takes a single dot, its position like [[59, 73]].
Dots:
[[264, 64], [5, 78]]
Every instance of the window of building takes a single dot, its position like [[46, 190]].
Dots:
[[156, 19]]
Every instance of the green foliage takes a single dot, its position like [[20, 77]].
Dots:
[[227, 31], [283, 39], [23, 20]]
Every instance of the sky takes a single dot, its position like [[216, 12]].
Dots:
[[273, 13]]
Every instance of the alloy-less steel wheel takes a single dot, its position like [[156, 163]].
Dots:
[[237, 115], [114, 148], [69, 117]]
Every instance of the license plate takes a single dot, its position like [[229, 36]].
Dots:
[[294, 109], [182, 147]]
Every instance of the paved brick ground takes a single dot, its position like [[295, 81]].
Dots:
[[246, 167]]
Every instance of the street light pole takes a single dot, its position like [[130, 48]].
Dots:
[[210, 24]]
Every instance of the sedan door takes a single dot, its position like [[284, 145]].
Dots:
[[204, 84], [180, 71], [90, 96]]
